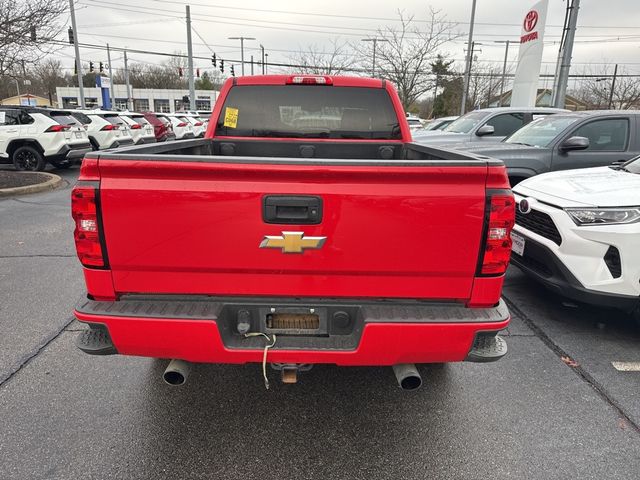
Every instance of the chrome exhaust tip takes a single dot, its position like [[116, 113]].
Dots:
[[176, 372], [407, 376]]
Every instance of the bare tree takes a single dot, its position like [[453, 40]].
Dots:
[[47, 75], [334, 61], [484, 84], [595, 90], [405, 55], [26, 30]]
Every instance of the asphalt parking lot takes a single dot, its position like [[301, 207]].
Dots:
[[555, 407]]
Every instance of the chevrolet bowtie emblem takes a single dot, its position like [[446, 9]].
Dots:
[[292, 242]]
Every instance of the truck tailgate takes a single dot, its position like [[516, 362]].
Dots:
[[196, 227]]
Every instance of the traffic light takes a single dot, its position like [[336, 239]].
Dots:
[[233, 73], [198, 72], [71, 38], [180, 72], [101, 67], [222, 65], [213, 60], [91, 66]]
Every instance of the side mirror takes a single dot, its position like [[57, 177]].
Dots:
[[574, 143], [485, 130]]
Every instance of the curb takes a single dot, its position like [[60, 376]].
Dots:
[[52, 183]]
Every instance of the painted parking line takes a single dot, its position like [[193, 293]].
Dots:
[[626, 366]]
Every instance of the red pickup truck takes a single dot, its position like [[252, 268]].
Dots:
[[305, 228]]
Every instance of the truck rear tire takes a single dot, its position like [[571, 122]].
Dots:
[[27, 158]]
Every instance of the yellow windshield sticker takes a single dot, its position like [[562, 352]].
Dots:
[[231, 117]]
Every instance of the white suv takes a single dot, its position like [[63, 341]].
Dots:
[[199, 125], [30, 137], [141, 129], [578, 232], [181, 127], [105, 129]]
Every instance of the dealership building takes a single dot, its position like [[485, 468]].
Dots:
[[144, 99]]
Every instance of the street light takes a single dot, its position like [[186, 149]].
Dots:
[[375, 41], [242, 39], [262, 63]]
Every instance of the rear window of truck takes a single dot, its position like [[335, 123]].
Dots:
[[297, 111]]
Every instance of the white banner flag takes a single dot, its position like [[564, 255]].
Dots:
[[525, 83]]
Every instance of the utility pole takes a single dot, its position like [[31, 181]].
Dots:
[[465, 93], [126, 81], [375, 41], [192, 87], [77, 49], [468, 60], [564, 56], [504, 68], [242, 39], [613, 85], [110, 77], [266, 62], [251, 64], [262, 63]]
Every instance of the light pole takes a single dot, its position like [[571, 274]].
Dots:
[[564, 55], [262, 63], [613, 85], [77, 50], [266, 62], [375, 41], [504, 67], [468, 60], [242, 39]]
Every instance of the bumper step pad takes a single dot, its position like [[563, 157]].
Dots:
[[487, 348], [96, 341]]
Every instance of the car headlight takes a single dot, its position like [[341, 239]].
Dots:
[[603, 216]]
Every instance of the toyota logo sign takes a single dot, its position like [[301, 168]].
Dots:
[[524, 206], [530, 21]]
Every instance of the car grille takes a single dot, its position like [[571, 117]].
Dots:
[[612, 259], [540, 223]]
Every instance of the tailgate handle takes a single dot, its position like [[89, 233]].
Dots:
[[292, 209]]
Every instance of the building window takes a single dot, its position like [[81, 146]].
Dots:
[[141, 104], [69, 102], [120, 103], [161, 106], [203, 104], [91, 102]]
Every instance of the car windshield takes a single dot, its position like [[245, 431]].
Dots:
[[541, 132], [466, 123], [297, 111]]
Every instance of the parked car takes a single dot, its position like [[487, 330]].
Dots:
[[415, 123], [199, 126], [105, 129], [208, 250], [439, 123], [204, 114], [182, 127], [578, 233], [31, 137], [162, 126], [141, 130], [487, 125], [567, 141]]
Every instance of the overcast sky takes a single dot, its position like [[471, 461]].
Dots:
[[608, 30]]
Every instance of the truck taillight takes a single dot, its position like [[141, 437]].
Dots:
[[84, 211], [497, 244]]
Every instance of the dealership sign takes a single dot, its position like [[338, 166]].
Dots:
[[525, 84]]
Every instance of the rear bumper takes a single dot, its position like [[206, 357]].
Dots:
[[381, 334], [72, 151]]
